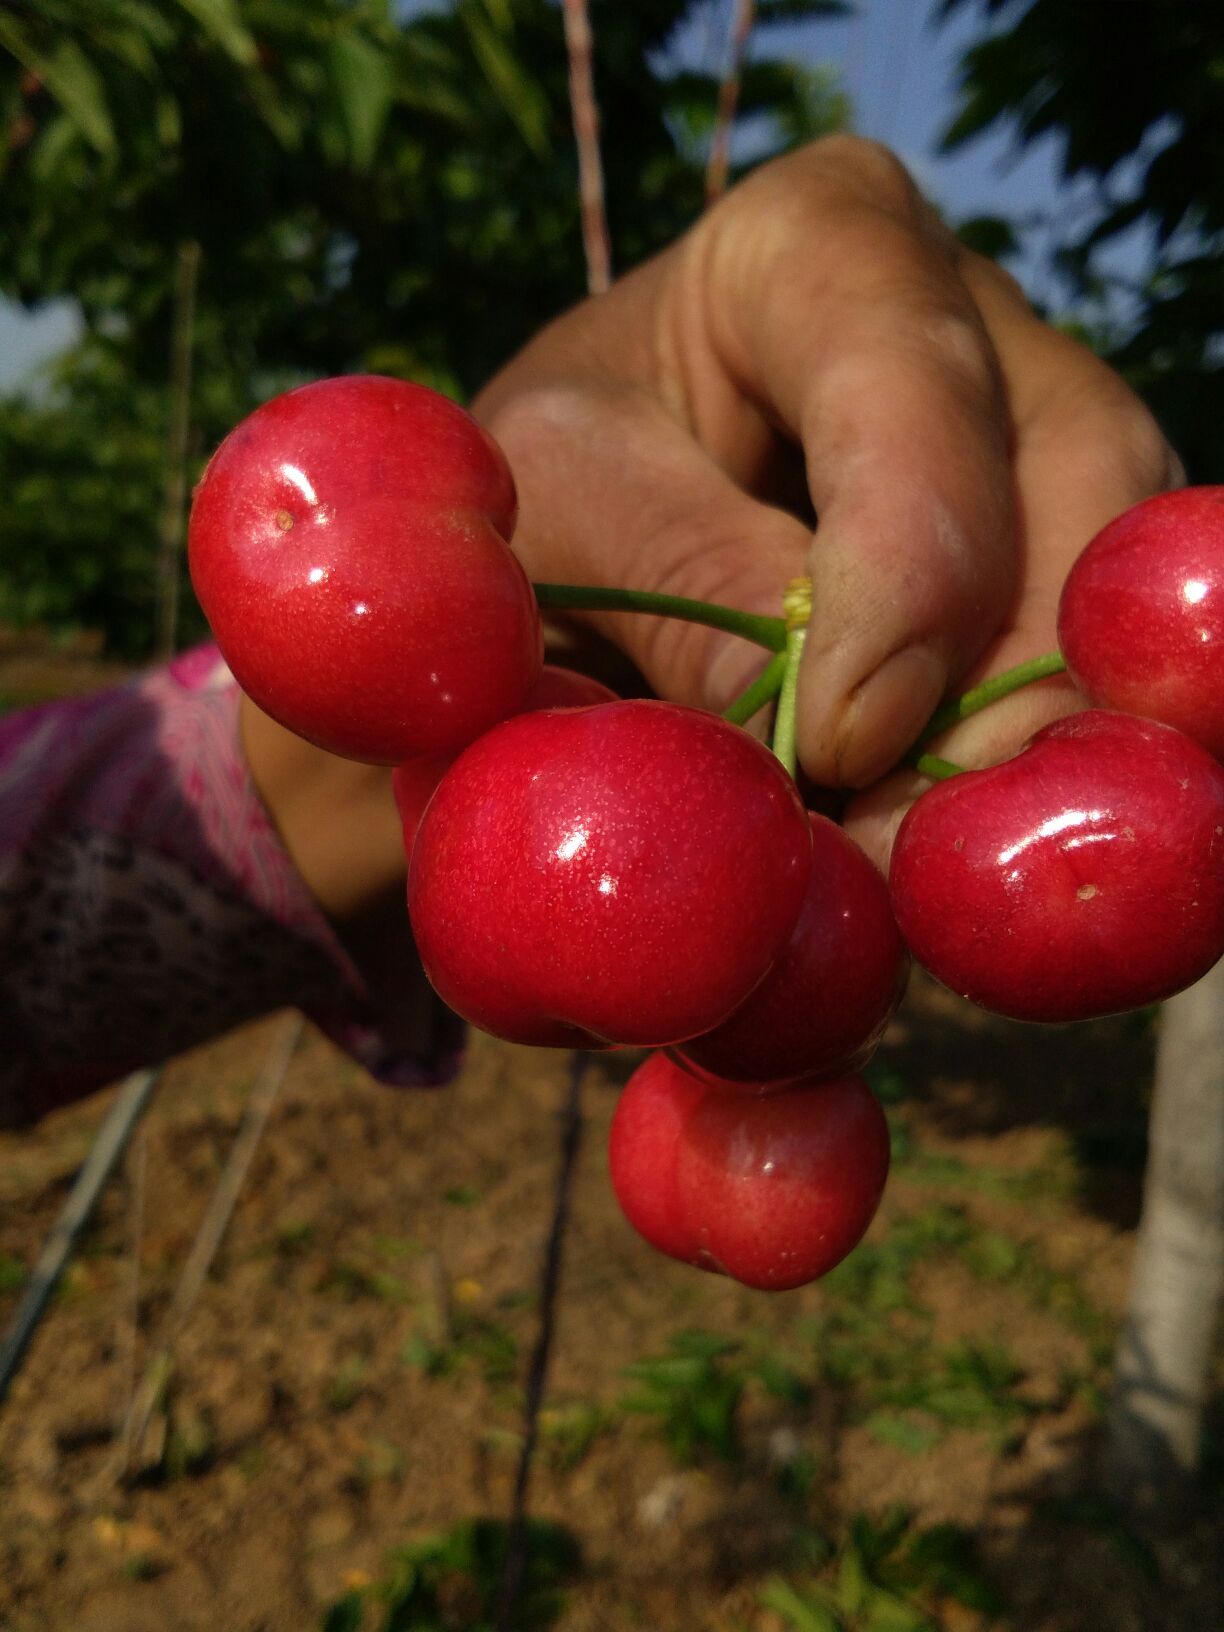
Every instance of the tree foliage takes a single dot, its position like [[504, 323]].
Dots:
[[372, 186], [1134, 96]]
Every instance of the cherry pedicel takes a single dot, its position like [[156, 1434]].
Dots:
[[824, 1004], [625, 873], [1083, 877], [773, 1191], [1141, 617], [348, 543]]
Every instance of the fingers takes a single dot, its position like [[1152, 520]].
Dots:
[[958, 452], [612, 491], [1085, 450], [852, 324], [1085, 446]]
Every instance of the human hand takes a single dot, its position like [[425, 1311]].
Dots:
[[819, 344]]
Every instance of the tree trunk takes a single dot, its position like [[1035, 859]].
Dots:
[[1164, 1360]]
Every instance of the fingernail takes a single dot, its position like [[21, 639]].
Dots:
[[885, 714]]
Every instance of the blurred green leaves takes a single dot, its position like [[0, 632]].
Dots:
[[371, 188], [1140, 133]]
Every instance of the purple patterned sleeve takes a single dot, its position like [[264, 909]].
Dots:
[[146, 902]]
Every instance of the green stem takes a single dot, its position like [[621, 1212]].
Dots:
[[939, 770], [763, 631], [990, 691], [762, 690], [784, 722], [797, 604]]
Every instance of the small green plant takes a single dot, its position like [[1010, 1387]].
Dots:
[[382, 1460], [142, 1567], [461, 1195], [567, 1431], [475, 1341], [12, 1273], [452, 1582], [887, 1577], [295, 1237], [694, 1391], [352, 1281], [190, 1444], [347, 1382]]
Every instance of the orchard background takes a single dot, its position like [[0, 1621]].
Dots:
[[242, 194]]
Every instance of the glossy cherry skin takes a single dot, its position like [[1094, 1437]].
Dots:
[[1083, 877], [773, 1191], [414, 781], [348, 543], [624, 874], [822, 1008], [644, 1144], [1141, 616]]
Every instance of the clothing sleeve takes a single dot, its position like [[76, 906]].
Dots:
[[147, 903]]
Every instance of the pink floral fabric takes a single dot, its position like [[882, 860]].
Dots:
[[146, 902]]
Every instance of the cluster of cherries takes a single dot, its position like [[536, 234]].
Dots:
[[588, 871]]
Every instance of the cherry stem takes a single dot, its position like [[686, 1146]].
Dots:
[[797, 604], [990, 691], [937, 769], [762, 690], [753, 626]]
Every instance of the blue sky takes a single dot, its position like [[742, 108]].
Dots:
[[899, 70]]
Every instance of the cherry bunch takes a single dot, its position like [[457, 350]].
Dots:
[[588, 871]]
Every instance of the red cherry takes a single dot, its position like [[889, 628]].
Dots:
[[414, 781], [823, 1006], [772, 1191], [1141, 617], [566, 688], [643, 1148], [625, 873], [348, 545], [1083, 877]]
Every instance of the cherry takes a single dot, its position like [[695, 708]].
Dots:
[[625, 873], [824, 1004], [348, 543], [643, 1150], [1083, 877], [414, 781], [772, 1191], [1141, 616]]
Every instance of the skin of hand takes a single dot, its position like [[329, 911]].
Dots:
[[818, 345]]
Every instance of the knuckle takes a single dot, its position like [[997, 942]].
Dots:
[[1151, 457], [533, 419], [979, 272], [853, 169], [958, 345], [1145, 457], [1108, 433], [873, 168]]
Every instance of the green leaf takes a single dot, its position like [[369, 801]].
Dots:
[[885, 1612], [345, 1615], [915, 1438], [72, 80], [522, 96], [361, 78], [220, 20], [804, 1614]]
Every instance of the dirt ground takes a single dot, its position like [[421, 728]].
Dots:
[[913, 1438], [909, 1445]]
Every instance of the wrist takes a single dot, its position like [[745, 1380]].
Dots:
[[336, 818]]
